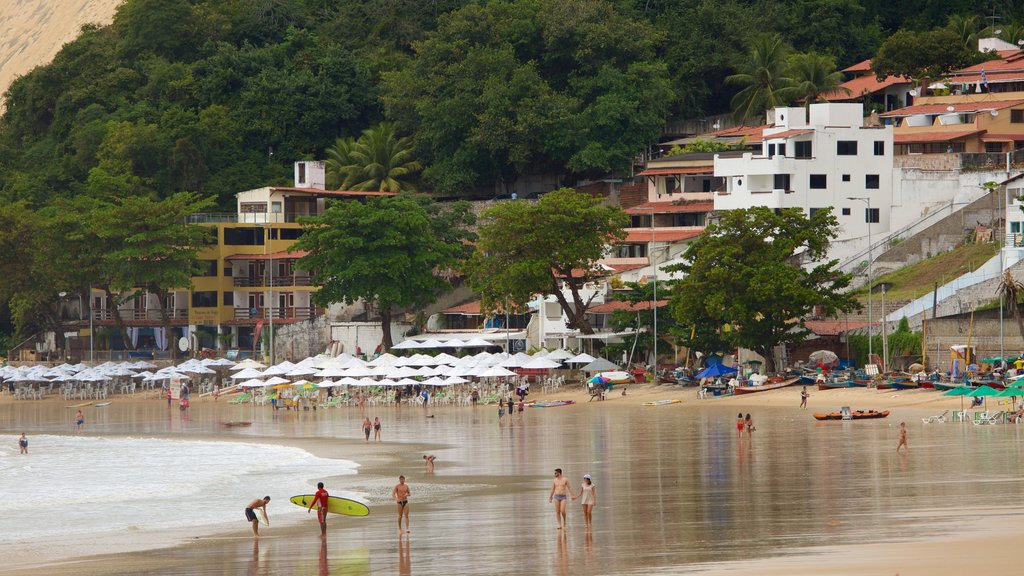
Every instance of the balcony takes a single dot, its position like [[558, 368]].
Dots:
[[260, 281], [108, 315], [288, 313], [246, 217]]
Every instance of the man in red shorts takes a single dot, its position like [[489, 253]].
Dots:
[[320, 501]]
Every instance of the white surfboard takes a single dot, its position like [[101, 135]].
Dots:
[[261, 514]]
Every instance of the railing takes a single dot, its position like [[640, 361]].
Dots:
[[851, 263], [245, 217], [106, 314], [287, 313], [250, 281]]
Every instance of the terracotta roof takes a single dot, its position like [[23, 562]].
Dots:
[[683, 170], [283, 255], [862, 66], [467, 309], [671, 208], [1011, 60], [620, 268], [992, 77], [832, 328], [862, 85], [787, 133], [990, 137], [641, 235], [332, 193], [924, 137], [609, 307], [958, 107]]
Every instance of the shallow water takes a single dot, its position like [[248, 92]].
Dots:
[[678, 491]]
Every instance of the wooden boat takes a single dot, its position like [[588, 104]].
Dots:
[[765, 387], [237, 423], [855, 415], [832, 385]]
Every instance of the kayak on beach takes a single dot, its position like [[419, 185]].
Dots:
[[552, 404], [662, 402]]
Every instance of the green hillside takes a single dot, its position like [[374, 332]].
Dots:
[[919, 279]]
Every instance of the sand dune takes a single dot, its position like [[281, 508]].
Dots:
[[33, 31]]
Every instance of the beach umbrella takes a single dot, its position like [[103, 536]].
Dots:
[[445, 358], [275, 380], [385, 359], [406, 382], [253, 383], [248, 363], [715, 370], [247, 373], [406, 345], [476, 343], [451, 380], [453, 343], [960, 391], [1012, 392], [984, 392], [580, 359], [304, 385], [496, 372], [600, 365], [435, 381], [559, 355], [300, 371], [541, 364]]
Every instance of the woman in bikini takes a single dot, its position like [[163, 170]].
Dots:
[[739, 425], [749, 424]]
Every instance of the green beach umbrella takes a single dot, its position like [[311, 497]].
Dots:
[[960, 391], [1011, 392], [1018, 382], [984, 392]]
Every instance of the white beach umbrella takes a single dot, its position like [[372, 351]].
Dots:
[[248, 363], [253, 383], [330, 373], [435, 381], [347, 381], [496, 372], [402, 372], [451, 380], [454, 343], [247, 373], [581, 359], [445, 358], [559, 355], [431, 343], [519, 360], [476, 343], [358, 372], [385, 359], [406, 345], [301, 371], [275, 380], [541, 364], [387, 382], [406, 382]]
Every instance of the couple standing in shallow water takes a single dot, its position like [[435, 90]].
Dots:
[[561, 489]]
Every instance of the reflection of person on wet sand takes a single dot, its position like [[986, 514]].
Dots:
[[324, 569], [404, 559], [560, 490], [401, 496]]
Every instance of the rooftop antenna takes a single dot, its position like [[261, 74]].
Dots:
[[992, 21]]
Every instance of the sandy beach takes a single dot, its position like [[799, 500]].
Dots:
[[678, 492]]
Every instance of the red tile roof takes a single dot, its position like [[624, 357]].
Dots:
[[609, 307], [1011, 60], [862, 66], [683, 170], [671, 208], [958, 107], [787, 133], [332, 193], [862, 85], [283, 255], [993, 77], [924, 137], [990, 137], [467, 309], [832, 328], [641, 235], [620, 268]]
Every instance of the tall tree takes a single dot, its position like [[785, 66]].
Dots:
[[966, 27], [527, 249], [390, 252], [762, 78], [1011, 290], [814, 75], [379, 161], [740, 272], [923, 54]]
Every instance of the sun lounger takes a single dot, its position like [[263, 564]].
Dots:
[[937, 419], [986, 419]]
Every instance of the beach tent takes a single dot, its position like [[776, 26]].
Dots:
[[600, 365], [715, 370]]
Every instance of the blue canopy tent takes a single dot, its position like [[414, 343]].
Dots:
[[715, 370]]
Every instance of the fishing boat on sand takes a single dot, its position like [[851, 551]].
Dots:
[[855, 415], [765, 387]]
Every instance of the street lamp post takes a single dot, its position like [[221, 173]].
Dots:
[[654, 266], [867, 200]]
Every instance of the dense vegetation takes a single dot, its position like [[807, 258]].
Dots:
[[211, 97]]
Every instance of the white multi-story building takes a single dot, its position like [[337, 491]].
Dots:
[[817, 158]]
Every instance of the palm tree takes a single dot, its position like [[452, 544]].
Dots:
[[1009, 288], [1012, 33], [339, 163], [763, 78], [813, 76], [966, 27], [378, 161]]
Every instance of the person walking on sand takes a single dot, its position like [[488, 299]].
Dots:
[[588, 498], [367, 426], [320, 501], [250, 514], [903, 438], [23, 443], [428, 462], [560, 490], [79, 420], [749, 424], [376, 429], [401, 496], [803, 397], [740, 424]]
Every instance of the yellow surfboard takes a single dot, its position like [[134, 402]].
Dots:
[[350, 506]]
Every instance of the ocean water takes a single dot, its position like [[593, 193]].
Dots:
[[82, 486]]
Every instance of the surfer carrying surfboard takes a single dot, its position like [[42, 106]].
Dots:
[[250, 513], [320, 501], [401, 496]]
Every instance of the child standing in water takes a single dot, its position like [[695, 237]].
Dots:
[[903, 437]]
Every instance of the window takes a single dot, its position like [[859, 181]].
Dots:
[[846, 211], [781, 182], [819, 181], [253, 207], [871, 181], [205, 299], [291, 233], [206, 268], [879, 147], [802, 149], [846, 177], [1015, 227], [782, 149], [771, 150], [871, 215], [229, 299], [243, 236], [273, 233], [705, 185], [1017, 116], [846, 147], [993, 147], [811, 211], [275, 207], [228, 271], [302, 172]]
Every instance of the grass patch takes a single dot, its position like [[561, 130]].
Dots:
[[919, 279]]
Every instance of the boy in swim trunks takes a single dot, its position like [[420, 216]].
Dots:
[[320, 501], [250, 514], [560, 489], [401, 496]]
